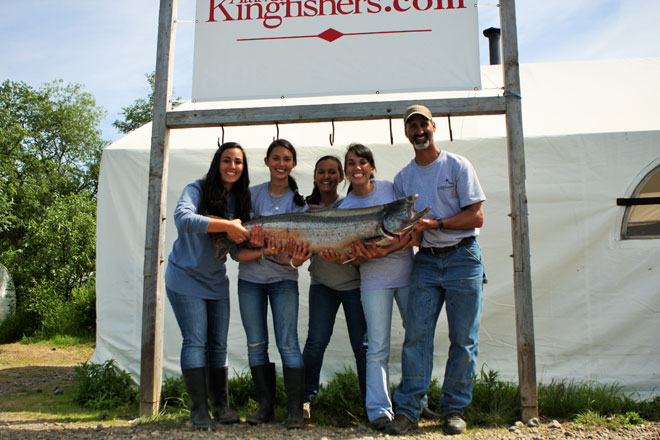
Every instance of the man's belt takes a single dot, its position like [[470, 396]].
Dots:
[[444, 250]]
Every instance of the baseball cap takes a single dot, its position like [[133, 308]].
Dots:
[[417, 109]]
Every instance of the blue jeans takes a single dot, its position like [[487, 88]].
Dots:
[[455, 278], [204, 325], [323, 306], [378, 305], [253, 302]]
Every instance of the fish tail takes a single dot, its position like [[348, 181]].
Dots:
[[222, 244]]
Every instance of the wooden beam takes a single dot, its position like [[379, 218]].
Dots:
[[151, 369], [522, 274], [332, 112]]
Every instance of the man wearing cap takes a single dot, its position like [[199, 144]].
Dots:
[[448, 270]]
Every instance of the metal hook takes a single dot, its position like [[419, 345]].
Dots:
[[451, 136], [223, 136], [332, 135], [391, 135], [277, 128]]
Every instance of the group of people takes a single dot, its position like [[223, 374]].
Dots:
[[365, 281]]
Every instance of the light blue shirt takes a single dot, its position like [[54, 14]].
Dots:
[[191, 266], [394, 270], [447, 185]]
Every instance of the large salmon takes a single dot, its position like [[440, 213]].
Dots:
[[335, 228]]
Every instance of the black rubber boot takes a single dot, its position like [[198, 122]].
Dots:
[[195, 380], [220, 397], [294, 384], [264, 383]]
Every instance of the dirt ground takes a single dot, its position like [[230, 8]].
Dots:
[[38, 368], [29, 366]]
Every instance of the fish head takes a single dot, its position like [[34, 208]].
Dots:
[[399, 216]]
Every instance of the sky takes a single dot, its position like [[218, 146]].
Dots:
[[109, 46]]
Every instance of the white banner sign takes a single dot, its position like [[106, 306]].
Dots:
[[270, 48]]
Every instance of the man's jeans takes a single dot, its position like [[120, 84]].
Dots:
[[378, 305], [204, 325], [455, 278], [253, 302], [323, 306]]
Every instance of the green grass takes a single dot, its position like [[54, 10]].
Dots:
[[58, 340], [105, 393]]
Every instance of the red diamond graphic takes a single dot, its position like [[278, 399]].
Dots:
[[330, 35]]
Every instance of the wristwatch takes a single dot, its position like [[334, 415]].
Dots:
[[439, 220]]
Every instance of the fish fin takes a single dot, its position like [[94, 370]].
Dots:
[[316, 208], [222, 244]]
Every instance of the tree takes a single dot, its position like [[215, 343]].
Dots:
[[50, 149], [140, 112]]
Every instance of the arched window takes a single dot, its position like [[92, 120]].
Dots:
[[641, 219]]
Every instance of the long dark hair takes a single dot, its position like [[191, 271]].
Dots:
[[360, 151], [214, 193], [315, 197], [293, 185]]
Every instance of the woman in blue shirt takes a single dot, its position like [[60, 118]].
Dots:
[[196, 283], [263, 278], [384, 277]]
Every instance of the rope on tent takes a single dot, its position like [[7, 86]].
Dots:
[[451, 136], [223, 136], [391, 135], [509, 93], [332, 135], [277, 128]]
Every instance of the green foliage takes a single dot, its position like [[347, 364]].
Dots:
[[173, 393], [650, 408], [103, 386], [566, 399], [50, 148], [140, 112], [593, 419], [494, 402], [339, 400]]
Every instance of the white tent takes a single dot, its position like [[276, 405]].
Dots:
[[592, 132]]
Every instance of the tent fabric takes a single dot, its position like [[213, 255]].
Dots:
[[591, 132]]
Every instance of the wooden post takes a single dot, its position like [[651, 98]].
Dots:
[[519, 216], [152, 295]]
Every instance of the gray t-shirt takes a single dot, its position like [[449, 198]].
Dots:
[[269, 270], [447, 185], [341, 277]]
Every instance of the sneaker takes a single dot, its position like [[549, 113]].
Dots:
[[307, 410], [429, 415], [380, 423], [400, 425], [454, 424]]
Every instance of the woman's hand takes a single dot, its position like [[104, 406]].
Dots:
[[301, 253], [331, 255], [273, 247], [236, 231], [257, 239], [370, 250]]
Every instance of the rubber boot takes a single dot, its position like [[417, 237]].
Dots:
[[220, 397], [264, 383], [195, 380], [294, 384]]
